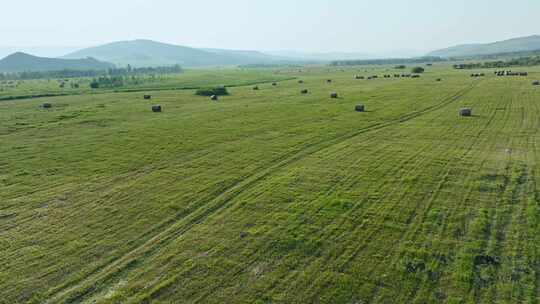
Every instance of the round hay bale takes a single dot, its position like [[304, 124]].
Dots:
[[255, 88], [333, 95], [465, 112], [300, 81], [46, 105], [360, 108], [156, 109], [304, 91], [439, 79], [147, 97], [329, 81], [274, 83], [536, 82], [214, 97]]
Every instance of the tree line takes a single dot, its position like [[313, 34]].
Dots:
[[128, 71], [516, 62]]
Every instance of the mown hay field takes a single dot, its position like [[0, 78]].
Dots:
[[273, 196]]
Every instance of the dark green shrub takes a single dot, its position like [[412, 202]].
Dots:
[[418, 70], [218, 91], [94, 84]]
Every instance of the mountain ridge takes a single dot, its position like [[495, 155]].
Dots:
[[144, 52], [23, 62], [519, 44]]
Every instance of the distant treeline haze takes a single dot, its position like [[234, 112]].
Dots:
[[524, 61], [388, 61], [128, 71]]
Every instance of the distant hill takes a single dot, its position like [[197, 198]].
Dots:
[[22, 62], [530, 43], [41, 51], [244, 57], [143, 53]]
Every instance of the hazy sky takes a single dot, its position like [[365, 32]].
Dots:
[[369, 26]]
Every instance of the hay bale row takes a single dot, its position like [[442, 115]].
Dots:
[[390, 76], [478, 75], [510, 73]]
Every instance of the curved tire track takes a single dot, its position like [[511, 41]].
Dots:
[[78, 291]]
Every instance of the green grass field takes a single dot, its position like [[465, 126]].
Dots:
[[272, 196], [188, 80]]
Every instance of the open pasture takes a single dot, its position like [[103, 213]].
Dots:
[[273, 196], [190, 79]]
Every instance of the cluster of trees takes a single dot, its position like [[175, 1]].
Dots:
[[397, 61], [128, 71], [108, 82], [116, 81], [175, 69], [523, 61]]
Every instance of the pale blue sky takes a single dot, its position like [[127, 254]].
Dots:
[[369, 26]]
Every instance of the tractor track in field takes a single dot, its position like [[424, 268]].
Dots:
[[276, 231], [83, 288], [154, 293], [493, 217], [369, 236], [346, 258], [412, 234]]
